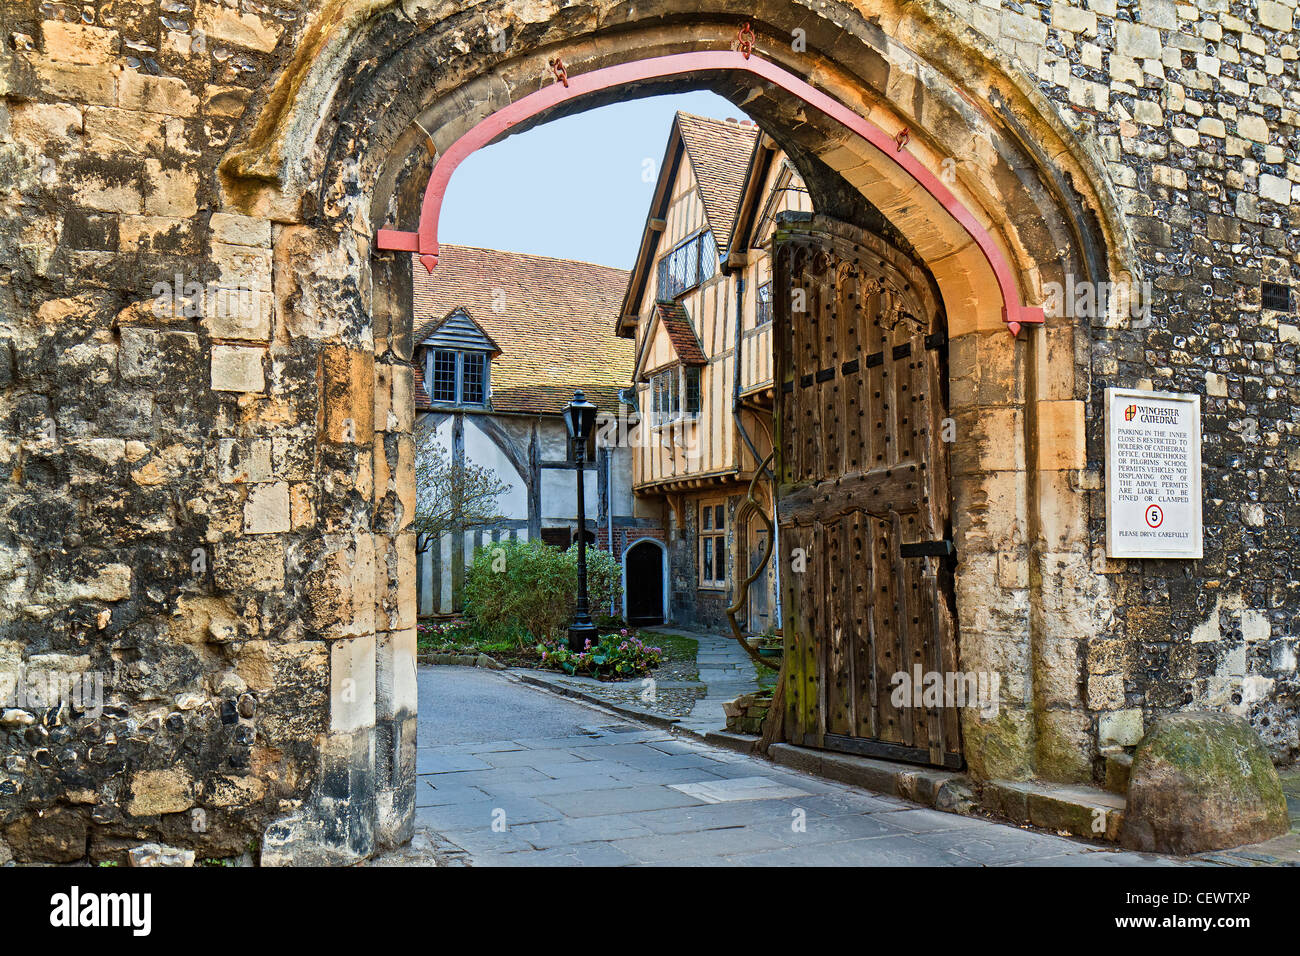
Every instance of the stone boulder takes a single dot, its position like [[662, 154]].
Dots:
[[1201, 781]]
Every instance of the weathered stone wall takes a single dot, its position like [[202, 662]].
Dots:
[[192, 509], [691, 606], [205, 505], [1195, 109]]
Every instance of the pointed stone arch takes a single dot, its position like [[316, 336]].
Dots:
[[344, 145]]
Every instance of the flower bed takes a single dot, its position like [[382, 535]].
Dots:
[[613, 657]]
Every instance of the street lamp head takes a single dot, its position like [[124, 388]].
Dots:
[[579, 417]]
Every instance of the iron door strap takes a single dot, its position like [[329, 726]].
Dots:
[[928, 549]]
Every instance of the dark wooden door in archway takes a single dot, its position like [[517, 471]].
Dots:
[[863, 504], [645, 584]]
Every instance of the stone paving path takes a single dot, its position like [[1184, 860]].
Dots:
[[725, 672], [519, 777]]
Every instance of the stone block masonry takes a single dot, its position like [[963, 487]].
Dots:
[[207, 506]]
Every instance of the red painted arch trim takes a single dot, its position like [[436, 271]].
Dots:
[[1014, 312]]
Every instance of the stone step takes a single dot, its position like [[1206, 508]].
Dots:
[[1082, 811], [1117, 771], [741, 743], [941, 789]]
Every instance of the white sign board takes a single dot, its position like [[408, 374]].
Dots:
[[1153, 474]]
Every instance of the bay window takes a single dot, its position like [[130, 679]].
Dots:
[[674, 394]]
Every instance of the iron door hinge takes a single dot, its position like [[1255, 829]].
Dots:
[[928, 549]]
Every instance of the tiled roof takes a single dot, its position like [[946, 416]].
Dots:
[[422, 402], [720, 153], [681, 333], [551, 318]]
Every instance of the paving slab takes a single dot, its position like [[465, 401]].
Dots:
[[483, 814], [837, 801], [557, 833], [738, 788], [486, 841], [649, 777], [580, 787], [491, 746], [630, 800], [428, 794], [815, 830], [768, 813], [472, 778], [426, 762], [538, 788], [997, 846], [580, 854], [684, 847], [889, 850], [538, 759], [922, 820]]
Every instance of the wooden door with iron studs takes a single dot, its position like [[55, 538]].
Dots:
[[863, 503]]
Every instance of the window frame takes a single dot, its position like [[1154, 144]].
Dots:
[[438, 377], [706, 265], [714, 540], [762, 315], [673, 387], [692, 391], [459, 377], [1275, 296]]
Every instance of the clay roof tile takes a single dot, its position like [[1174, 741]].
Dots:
[[677, 323], [720, 153], [551, 318]]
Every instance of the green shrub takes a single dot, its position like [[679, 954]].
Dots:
[[613, 656], [531, 588]]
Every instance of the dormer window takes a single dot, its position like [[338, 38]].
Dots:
[[458, 378], [457, 360], [689, 264]]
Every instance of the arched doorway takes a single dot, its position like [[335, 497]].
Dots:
[[345, 145], [645, 576]]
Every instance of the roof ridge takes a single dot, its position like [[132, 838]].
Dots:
[[745, 124], [530, 255]]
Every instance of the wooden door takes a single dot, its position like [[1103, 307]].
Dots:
[[863, 505], [645, 584], [759, 619]]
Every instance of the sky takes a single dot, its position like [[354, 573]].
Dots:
[[574, 188]]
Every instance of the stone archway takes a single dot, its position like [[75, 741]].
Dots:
[[345, 145]]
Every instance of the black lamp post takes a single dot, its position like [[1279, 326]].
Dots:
[[579, 418]]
